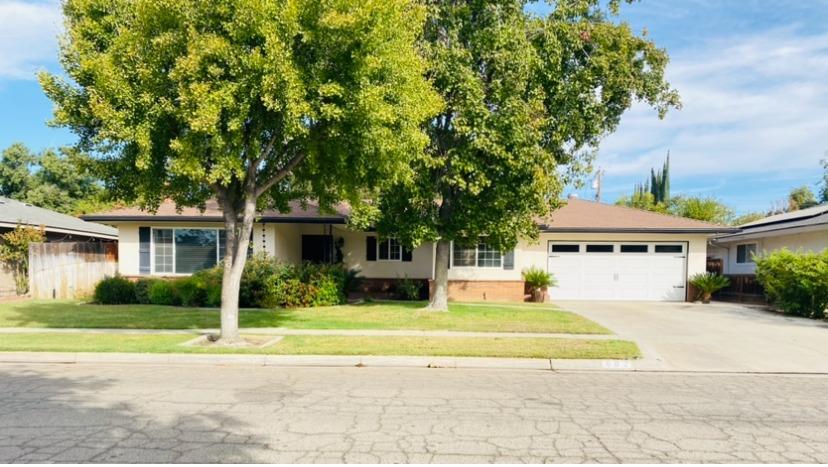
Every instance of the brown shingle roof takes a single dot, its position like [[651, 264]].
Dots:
[[589, 216], [575, 216], [212, 213]]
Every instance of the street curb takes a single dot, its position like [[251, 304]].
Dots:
[[326, 361]]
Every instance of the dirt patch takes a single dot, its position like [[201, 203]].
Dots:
[[209, 340]]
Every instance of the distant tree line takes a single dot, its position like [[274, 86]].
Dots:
[[654, 195], [62, 180]]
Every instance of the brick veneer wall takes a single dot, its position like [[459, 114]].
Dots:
[[486, 290]]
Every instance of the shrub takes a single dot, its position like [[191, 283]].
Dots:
[[290, 293], [142, 289], [163, 292], [796, 282], [115, 291], [408, 289], [191, 291], [210, 281], [708, 283], [537, 278], [258, 273]]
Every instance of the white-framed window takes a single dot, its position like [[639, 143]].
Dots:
[[185, 251], [480, 255], [389, 249], [745, 252]]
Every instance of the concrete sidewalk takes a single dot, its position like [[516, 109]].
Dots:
[[308, 332]]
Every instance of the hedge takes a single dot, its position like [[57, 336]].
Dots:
[[796, 282]]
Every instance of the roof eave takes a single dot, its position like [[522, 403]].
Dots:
[[717, 230], [212, 219]]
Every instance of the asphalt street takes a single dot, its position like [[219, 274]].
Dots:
[[204, 413]]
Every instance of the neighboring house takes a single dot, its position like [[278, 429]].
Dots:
[[805, 229], [57, 227], [596, 251]]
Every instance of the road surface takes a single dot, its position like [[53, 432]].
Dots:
[[203, 413]]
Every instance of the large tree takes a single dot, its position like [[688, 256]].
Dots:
[[254, 102], [706, 209], [527, 99]]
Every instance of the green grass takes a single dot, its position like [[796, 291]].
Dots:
[[514, 347], [376, 315]]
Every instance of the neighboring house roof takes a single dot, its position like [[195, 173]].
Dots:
[[14, 212], [579, 215], [168, 211], [813, 218], [575, 215]]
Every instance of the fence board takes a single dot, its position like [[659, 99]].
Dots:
[[69, 269]]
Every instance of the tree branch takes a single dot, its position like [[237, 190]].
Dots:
[[281, 174]]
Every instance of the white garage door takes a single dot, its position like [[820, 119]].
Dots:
[[618, 270]]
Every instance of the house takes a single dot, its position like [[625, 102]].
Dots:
[[596, 251], [805, 229], [57, 228]]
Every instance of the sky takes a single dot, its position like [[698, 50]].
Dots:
[[751, 74]]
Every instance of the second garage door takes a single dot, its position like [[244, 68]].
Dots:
[[618, 270]]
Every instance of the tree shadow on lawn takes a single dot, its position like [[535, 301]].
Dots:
[[78, 418], [70, 314]]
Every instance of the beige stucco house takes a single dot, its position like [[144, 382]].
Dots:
[[805, 229], [595, 250]]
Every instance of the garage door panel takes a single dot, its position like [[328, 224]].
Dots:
[[619, 276]]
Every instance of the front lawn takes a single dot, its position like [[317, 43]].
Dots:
[[513, 347], [375, 315]]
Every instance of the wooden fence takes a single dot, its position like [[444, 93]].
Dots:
[[69, 269]]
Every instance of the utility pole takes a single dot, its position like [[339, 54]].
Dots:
[[596, 183]]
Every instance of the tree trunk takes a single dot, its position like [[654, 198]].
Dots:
[[439, 298], [237, 240]]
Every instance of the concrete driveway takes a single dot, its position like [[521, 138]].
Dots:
[[714, 337]]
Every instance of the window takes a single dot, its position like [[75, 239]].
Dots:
[[599, 248], [163, 250], [669, 248], [480, 255], [745, 252], [488, 257], [633, 248], [561, 248], [185, 251], [389, 250], [464, 255]]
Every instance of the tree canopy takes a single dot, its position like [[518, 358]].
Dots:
[[800, 198], [62, 180], [527, 100], [255, 102]]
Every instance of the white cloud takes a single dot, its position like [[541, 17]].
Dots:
[[752, 104], [28, 37]]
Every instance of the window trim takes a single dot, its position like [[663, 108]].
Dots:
[[609, 244], [748, 258], [553, 244], [476, 257], [153, 272], [389, 259]]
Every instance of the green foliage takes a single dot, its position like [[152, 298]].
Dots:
[[538, 278], [289, 293], [115, 291], [747, 218], [408, 289], [660, 183], [142, 287], [796, 282], [62, 181], [210, 281], [801, 198], [708, 283], [164, 292], [191, 291], [823, 190], [527, 100], [14, 252], [642, 199], [703, 209], [265, 101], [259, 272]]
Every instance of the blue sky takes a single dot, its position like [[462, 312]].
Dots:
[[752, 75]]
